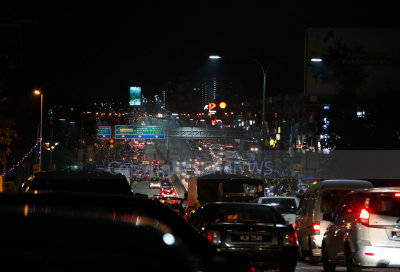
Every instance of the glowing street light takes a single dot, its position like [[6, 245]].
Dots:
[[38, 92], [316, 59], [214, 57]]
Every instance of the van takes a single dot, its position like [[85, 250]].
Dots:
[[320, 198]]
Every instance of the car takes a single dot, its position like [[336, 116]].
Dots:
[[174, 203], [75, 232], [364, 231], [166, 184], [168, 191], [320, 198], [286, 205], [255, 230], [79, 181], [155, 183]]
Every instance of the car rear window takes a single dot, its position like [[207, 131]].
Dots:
[[386, 204], [283, 205], [242, 214], [331, 198]]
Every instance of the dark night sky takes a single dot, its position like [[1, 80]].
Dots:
[[82, 50]]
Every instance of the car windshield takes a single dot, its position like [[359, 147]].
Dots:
[[242, 214], [283, 205]]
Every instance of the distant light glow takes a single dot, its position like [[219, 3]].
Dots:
[[316, 59], [214, 57]]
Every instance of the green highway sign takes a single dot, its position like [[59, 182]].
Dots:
[[139, 132]]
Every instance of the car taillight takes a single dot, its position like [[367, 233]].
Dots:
[[289, 239], [213, 237], [174, 194], [397, 194], [316, 227], [364, 217]]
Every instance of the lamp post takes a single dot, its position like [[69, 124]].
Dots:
[[264, 90], [38, 92]]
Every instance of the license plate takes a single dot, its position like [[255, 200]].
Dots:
[[250, 238], [256, 238]]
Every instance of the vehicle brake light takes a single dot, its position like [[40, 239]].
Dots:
[[289, 239], [316, 227], [364, 217], [213, 237], [397, 194], [369, 254]]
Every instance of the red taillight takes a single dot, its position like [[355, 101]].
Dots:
[[210, 236], [289, 239], [213, 237], [369, 254], [253, 269], [364, 217], [316, 227], [397, 194]]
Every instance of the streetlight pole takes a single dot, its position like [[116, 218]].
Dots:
[[264, 91], [38, 92]]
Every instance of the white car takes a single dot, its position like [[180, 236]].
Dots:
[[286, 205], [364, 231]]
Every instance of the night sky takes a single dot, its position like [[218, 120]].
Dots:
[[78, 51]]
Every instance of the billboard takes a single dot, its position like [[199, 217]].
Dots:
[[135, 96], [363, 60]]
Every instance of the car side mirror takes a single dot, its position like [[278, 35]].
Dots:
[[327, 217]]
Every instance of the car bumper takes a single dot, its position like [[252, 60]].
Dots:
[[267, 258], [382, 257]]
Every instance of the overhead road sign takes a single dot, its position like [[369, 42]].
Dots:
[[104, 132], [139, 132]]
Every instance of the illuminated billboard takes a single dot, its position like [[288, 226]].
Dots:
[[135, 96]]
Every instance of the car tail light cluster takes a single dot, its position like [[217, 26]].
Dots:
[[289, 239], [364, 217], [316, 227], [213, 237]]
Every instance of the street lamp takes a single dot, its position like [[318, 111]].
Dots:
[[263, 128], [316, 59], [38, 92]]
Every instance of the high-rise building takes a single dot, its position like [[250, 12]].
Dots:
[[210, 89]]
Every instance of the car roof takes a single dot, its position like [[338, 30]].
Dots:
[[340, 184], [378, 190], [95, 204], [229, 203], [286, 197]]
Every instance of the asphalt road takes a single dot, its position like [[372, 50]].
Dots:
[[306, 267]]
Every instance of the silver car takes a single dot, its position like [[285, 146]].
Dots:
[[286, 205], [364, 231]]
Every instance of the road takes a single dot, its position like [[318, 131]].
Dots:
[[305, 267]]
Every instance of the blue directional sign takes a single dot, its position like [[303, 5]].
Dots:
[[139, 132], [104, 132]]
